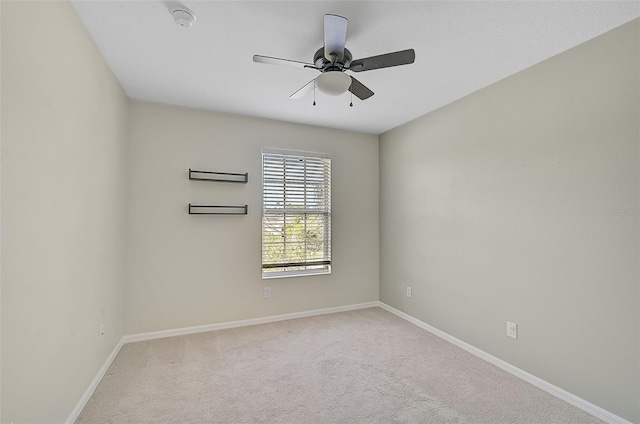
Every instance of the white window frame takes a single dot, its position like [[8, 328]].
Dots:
[[270, 211]]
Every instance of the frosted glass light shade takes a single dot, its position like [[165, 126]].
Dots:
[[333, 83]]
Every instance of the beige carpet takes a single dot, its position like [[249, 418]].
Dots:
[[365, 366]]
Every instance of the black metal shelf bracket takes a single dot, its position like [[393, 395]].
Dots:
[[217, 210], [223, 177]]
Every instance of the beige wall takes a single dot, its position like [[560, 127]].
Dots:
[[190, 270], [495, 208], [63, 209], [492, 208], [0, 215]]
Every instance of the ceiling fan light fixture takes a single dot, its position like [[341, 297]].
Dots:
[[333, 83]]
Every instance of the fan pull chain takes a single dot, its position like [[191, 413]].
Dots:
[[314, 92], [351, 104]]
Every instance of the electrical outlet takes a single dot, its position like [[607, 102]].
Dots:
[[408, 291], [267, 292], [101, 332], [512, 330]]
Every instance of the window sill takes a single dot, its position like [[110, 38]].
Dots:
[[289, 274]]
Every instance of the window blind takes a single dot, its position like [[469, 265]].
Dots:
[[296, 219]]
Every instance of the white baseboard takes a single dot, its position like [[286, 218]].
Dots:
[[574, 400], [245, 322], [92, 387], [199, 329]]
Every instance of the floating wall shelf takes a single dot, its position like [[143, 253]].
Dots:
[[221, 177], [217, 210]]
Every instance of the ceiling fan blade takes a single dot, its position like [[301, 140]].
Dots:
[[403, 57], [359, 89], [306, 89], [335, 36], [283, 62]]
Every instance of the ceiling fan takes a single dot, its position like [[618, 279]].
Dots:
[[333, 59]]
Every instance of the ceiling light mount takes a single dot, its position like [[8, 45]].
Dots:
[[182, 15]]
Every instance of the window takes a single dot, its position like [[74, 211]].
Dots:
[[296, 217]]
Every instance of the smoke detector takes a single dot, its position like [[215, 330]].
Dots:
[[182, 15]]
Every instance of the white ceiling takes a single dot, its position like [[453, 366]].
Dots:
[[460, 47]]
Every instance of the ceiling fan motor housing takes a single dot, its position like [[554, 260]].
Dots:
[[324, 65]]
